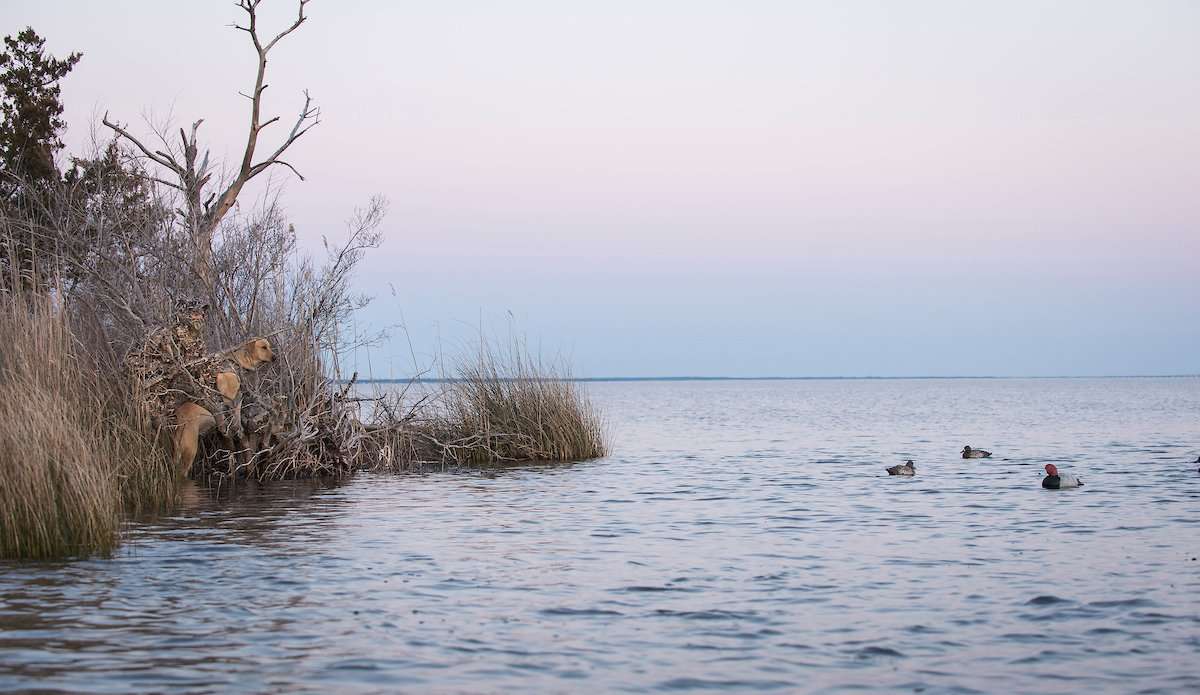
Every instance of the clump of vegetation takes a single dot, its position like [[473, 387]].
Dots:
[[507, 405], [500, 405], [30, 110], [96, 258], [73, 455]]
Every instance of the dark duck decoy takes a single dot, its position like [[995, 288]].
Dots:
[[1056, 481], [906, 468], [969, 453]]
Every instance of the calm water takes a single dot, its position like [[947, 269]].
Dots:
[[742, 536]]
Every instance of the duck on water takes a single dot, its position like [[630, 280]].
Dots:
[[906, 468], [1056, 481], [969, 453]]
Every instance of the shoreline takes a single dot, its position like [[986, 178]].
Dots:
[[623, 379]]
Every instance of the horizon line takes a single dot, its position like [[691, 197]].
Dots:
[[444, 380]]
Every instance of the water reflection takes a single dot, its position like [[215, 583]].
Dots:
[[250, 512]]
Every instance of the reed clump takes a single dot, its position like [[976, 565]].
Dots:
[[70, 462], [506, 405]]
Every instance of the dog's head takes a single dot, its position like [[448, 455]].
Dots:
[[254, 353]]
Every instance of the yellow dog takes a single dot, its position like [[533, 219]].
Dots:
[[193, 420]]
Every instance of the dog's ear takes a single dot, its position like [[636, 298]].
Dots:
[[244, 356]]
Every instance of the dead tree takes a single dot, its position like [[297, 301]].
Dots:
[[190, 174]]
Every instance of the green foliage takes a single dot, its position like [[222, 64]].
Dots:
[[112, 178], [30, 108]]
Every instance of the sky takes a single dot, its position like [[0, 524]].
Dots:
[[693, 187]]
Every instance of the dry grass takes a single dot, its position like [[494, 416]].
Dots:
[[72, 455], [508, 405]]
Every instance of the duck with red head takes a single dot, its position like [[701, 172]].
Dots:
[[1056, 481]]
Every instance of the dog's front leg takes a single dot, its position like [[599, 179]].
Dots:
[[238, 432], [218, 414], [224, 426], [252, 449]]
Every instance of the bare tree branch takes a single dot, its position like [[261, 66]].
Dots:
[[203, 210], [158, 158], [283, 163], [299, 20], [164, 182], [308, 115]]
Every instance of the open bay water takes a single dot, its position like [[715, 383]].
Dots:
[[742, 536]]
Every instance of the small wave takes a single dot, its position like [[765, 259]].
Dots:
[[1106, 631], [578, 612], [923, 630], [1126, 603], [1151, 618], [355, 665], [714, 614], [874, 652], [650, 589], [695, 646], [709, 684], [1047, 600], [1027, 637]]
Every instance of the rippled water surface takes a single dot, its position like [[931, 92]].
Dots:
[[742, 536]]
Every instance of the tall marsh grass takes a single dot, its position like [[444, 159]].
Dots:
[[508, 405], [73, 455]]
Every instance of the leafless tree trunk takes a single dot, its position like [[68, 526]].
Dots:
[[204, 211]]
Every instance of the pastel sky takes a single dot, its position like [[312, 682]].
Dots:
[[692, 187]]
